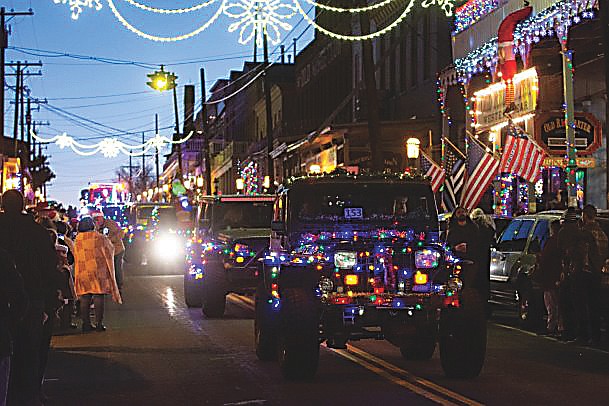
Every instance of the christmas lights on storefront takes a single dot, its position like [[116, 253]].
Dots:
[[255, 18]]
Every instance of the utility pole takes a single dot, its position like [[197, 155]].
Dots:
[[266, 84], [177, 134], [605, 23], [144, 176], [206, 146], [372, 104], [131, 190], [156, 156], [3, 45], [16, 120]]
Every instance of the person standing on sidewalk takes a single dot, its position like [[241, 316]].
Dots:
[[594, 232], [13, 303], [94, 273], [114, 232], [549, 269], [30, 246]]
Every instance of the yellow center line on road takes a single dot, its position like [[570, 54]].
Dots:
[[421, 381], [394, 379], [242, 301], [407, 380]]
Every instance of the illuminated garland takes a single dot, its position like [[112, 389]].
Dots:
[[109, 147], [471, 12], [170, 11], [332, 34], [556, 19], [255, 18], [251, 181], [76, 6], [156, 38], [350, 10]]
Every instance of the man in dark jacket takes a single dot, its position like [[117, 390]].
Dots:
[[463, 239], [593, 232], [34, 255], [13, 303], [549, 269]]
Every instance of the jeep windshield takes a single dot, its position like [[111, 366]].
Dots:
[[242, 215], [514, 237], [377, 203], [161, 215]]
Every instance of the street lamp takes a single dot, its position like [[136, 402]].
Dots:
[[239, 183], [413, 148]]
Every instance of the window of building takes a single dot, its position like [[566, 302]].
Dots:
[[414, 53], [427, 45]]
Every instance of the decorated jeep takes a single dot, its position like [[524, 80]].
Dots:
[[357, 257], [231, 235]]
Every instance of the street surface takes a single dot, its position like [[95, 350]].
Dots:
[[156, 351]]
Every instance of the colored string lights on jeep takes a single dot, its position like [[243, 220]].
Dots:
[[109, 147], [258, 18]]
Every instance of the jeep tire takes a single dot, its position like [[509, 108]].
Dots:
[[192, 294], [422, 345], [298, 344], [463, 336], [265, 333], [213, 297]]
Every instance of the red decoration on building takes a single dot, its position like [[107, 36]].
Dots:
[[506, 66]]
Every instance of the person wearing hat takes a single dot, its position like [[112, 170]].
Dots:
[[114, 232]]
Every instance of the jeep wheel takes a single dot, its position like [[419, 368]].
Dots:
[[298, 345], [463, 336], [192, 294], [214, 291], [422, 345], [265, 331]]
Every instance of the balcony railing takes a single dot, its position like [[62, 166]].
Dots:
[[485, 29]]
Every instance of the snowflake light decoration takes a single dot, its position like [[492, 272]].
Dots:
[[76, 6], [110, 147], [259, 17]]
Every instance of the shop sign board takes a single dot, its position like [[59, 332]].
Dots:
[[550, 132], [561, 162], [489, 106]]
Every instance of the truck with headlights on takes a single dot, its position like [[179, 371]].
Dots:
[[359, 257], [231, 234]]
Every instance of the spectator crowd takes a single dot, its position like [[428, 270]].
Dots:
[[50, 273]]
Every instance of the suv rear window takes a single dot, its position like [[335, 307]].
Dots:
[[352, 202], [514, 237], [242, 215]]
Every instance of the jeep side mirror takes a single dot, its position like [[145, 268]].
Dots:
[[278, 226]]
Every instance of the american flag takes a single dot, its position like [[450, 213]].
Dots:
[[454, 166], [433, 171], [521, 156], [482, 167]]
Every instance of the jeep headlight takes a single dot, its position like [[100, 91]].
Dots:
[[168, 246], [326, 285], [454, 284], [426, 259], [345, 259]]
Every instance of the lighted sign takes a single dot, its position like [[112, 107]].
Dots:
[[489, 103], [550, 132]]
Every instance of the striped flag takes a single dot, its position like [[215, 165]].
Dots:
[[482, 167], [522, 157], [454, 166], [433, 171]]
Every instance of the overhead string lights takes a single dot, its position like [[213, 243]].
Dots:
[[259, 18], [109, 147]]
